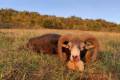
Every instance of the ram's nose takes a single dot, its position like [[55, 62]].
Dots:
[[76, 58]]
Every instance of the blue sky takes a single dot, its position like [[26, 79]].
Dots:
[[93, 9]]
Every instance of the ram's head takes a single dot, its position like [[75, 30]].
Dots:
[[72, 48]]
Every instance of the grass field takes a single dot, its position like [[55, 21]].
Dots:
[[24, 64]]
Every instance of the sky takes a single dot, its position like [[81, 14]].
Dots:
[[90, 9]]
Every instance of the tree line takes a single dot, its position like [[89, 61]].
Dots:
[[10, 18]]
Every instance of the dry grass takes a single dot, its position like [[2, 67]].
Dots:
[[25, 65]]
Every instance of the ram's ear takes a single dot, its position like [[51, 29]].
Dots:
[[89, 45], [68, 45]]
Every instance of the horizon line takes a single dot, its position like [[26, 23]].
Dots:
[[40, 13]]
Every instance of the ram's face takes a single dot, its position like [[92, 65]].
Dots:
[[75, 53], [75, 47]]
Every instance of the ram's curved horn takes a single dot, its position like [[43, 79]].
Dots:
[[63, 42], [91, 43]]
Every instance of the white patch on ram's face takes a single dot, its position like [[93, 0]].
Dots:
[[75, 51]]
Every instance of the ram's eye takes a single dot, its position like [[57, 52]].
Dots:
[[79, 47]]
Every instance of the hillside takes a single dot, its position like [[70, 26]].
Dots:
[[10, 18]]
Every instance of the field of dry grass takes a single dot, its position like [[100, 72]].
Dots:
[[26, 65]]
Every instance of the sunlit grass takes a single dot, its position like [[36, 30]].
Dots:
[[27, 65]]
